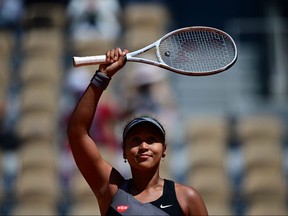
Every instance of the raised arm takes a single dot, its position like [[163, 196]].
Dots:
[[101, 176]]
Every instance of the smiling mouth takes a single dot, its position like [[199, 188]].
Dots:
[[143, 156]]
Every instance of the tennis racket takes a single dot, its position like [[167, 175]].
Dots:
[[192, 51]]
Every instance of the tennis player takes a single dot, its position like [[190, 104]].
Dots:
[[146, 193]]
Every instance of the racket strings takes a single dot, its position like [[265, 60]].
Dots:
[[197, 51]]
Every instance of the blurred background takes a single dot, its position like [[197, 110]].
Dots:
[[226, 133]]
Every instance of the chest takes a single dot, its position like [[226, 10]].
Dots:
[[152, 202], [148, 196]]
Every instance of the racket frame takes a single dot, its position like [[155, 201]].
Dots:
[[131, 56]]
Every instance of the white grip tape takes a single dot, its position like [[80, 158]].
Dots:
[[89, 60]]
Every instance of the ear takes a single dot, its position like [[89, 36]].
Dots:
[[123, 150], [164, 150]]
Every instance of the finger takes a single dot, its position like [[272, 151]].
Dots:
[[113, 55], [125, 51], [108, 54], [123, 56], [117, 54]]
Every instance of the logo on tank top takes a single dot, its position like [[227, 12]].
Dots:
[[122, 208], [165, 206]]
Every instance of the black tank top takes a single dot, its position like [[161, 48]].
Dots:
[[123, 203]]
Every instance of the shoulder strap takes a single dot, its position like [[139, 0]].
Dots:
[[168, 201]]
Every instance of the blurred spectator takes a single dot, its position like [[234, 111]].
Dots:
[[144, 1], [9, 138], [148, 91], [146, 86], [77, 78], [10, 13], [30, 2], [90, 19], [108, 110], [44, 13], [9, 144]]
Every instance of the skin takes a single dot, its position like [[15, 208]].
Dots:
[[143, 149]]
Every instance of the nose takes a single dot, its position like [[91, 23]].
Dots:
[[143, 146]]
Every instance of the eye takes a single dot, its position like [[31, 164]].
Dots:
[[135, 141], [151, 140]]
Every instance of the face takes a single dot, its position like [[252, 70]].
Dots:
[[144, 147]]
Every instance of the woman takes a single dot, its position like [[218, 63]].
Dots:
[[146, 193]]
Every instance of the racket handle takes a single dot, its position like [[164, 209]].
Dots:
[[89, 60]]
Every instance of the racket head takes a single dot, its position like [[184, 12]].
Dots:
[[196, 51]]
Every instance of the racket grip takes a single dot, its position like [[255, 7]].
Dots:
[[89, 60]]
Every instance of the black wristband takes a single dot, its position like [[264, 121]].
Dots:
[[100, 80]]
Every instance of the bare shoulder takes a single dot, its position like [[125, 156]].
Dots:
[[186, 193], [190, 200]]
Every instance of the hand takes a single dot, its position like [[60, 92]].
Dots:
[[117, 60]]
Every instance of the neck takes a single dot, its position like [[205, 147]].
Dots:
[[143, 181]]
